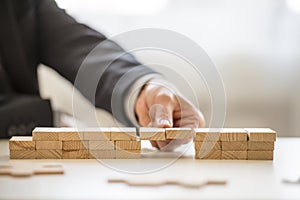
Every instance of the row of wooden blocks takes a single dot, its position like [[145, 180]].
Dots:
[[235, 144], [110, 143]]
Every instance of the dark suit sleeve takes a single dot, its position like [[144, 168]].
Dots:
[[83, 56]]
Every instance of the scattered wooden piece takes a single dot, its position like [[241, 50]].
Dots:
[[48, 144], [151, 133], [158, 183], [102, 154], [127, 145], [21, 143], [123, 133], [101, 133], [49, 154], [207, 145], [179, 133], [45, 133], [23, 154], [207, 134], [257, 146], [75, 154], [75, 145], [128, 154], [101, 145], [234, 146], [234, 155], [260, 155], [206, 154], [29, 169], [233, 134], [261, 134]]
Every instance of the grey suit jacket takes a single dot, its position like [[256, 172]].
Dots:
[[37, 31]]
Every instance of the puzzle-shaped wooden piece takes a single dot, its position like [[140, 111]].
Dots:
[[30, 169]]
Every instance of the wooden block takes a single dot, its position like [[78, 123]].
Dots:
[[22, 154], [210, 155], [69, 134], [207, 145], [45, 134], [234, 155], [179, 133], [207, 134], [123, 133], [101, 145], [48, 144], [128, 154], [256, 146], [75, 154], [233, 134], [151, 133], [234, 146], [102, 154], [75, 145], [21, 143], [101, 133], [49, 154], [127, 145], [260, 155], [261, 134]]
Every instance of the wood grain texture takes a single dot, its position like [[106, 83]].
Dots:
[[234, 145], [45, 134], [123, 133], [75, 154], [22, 154], [101, 133], [207, 145], [70, 136], [261, 134], [128, 154], [75, 145], [127, 145], [101, 145], [233, 134], [151, 133], [260, 155], [21, 143], [234, 155], [256, 146], [102, 154], [179, 133], [48, 144], [210, 155], [49, 154], [207, 134]]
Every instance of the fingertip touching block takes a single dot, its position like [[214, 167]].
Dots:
[[152, 133]]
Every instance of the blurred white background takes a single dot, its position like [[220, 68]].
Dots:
[[255, 44]]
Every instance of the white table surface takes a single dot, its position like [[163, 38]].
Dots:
[[87, 179]]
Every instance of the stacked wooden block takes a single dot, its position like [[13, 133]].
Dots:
[[234, 143], [125, 143], [69, 143]]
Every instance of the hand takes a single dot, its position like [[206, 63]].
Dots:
[[159, 105]]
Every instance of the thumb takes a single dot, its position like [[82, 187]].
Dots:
[[161, 115]]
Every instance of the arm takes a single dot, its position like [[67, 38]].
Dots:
[[64, 44]]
